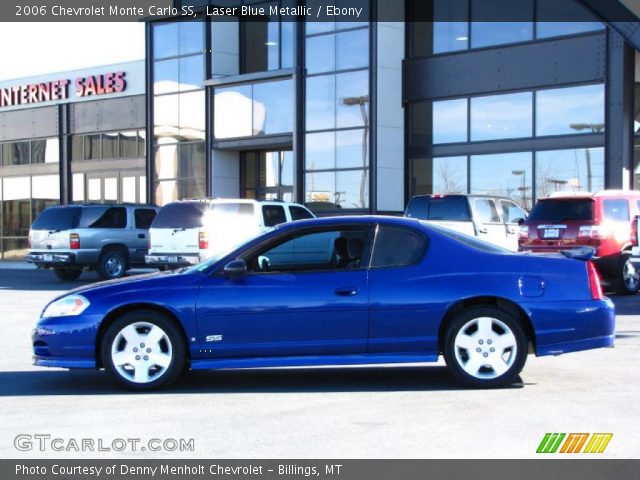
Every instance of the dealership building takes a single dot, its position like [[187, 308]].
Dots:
[[347, 117]]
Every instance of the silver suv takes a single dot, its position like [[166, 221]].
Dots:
[[109, 238]]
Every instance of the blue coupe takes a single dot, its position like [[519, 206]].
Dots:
[[334, 291]]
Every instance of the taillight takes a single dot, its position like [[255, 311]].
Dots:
[[594, 282], [203, 241], [74, 241], [524, 233]]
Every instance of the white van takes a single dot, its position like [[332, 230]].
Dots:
[[190, 231]]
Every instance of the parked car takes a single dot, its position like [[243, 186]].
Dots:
[[635, 242], [492, 219], [600, 220], [109, 238], [385, 290], [190, 231]]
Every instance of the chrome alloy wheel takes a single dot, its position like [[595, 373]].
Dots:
[[630, 275], [114, 267], [141, 352], [485, 348]]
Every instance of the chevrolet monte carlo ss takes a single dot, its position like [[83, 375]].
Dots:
[[334, 291]]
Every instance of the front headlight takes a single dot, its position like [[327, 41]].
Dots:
[[66, 306]]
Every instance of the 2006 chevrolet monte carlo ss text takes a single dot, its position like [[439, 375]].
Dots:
[[335, 291]]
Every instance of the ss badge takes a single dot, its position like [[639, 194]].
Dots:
[[213, 338]]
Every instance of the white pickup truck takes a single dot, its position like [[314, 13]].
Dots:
[[492, 219]]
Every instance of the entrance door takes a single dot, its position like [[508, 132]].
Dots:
[[267, 175]]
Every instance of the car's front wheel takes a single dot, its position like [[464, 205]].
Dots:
[[67, 274], [143, 351], [628, 281], [485, 347]]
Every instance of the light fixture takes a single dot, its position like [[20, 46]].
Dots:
[[462, 38], [271, 44]]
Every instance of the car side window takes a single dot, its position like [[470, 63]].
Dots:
[[511, 212], [616, 209], [486, 210], [144, 217], [299, 213], [397, 247], [273, 215], [114, 217], [325, 250]]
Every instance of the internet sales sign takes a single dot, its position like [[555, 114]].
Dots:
[[91, 85]]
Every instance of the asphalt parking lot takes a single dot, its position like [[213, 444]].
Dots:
[[413, 411]]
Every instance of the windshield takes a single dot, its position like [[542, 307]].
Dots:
[[57, 218], [565, 209], [470, 241]]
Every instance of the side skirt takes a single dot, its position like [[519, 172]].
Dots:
[[312, 360]]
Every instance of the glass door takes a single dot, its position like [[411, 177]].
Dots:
[[267, 175]]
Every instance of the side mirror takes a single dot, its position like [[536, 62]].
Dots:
[[519, 221], [235, 269]]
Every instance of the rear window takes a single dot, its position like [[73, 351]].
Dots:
[[58, 218], [470, 241], [616, 210], [144, 217], [103, 217], [242, 209], [180, 215], [452, 208], [562, 210]]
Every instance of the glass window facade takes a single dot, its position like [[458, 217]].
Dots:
[[108, 145], [501, 116], [267, 175], [496, 22], [22, 199], [179, 110], [575, 170], [259, 109], [266, 45], [337, 114], [564, 111], [24, 152]]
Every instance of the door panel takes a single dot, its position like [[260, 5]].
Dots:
[[284, 314]]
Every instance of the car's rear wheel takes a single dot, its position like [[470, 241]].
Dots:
[[628, 281], [67, 274], [143, 350], [112, 264], [485, 347]]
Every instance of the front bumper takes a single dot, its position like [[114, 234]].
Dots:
[[65, 342], [635, 255], [563, 327], [173, 260]]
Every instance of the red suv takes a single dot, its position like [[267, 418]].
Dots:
[[601, 220]]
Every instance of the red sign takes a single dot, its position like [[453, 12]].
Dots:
[[111, 82]]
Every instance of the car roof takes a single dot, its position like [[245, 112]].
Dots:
[[235, 200], [468, 195], [109, 204], [350, 220], [598, 194]]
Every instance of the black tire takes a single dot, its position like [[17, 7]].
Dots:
[[485, 376], [67, 274], [172, 347], [627, 281], [112, 264]]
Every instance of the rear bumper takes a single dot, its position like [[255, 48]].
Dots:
[[173, 260], [51, 259], [563, 327]]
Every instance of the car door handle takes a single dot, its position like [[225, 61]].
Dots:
[[141, 235], [347, 291], [483, 230]]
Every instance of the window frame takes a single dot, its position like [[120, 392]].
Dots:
[[419, 259], [365, 259]]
